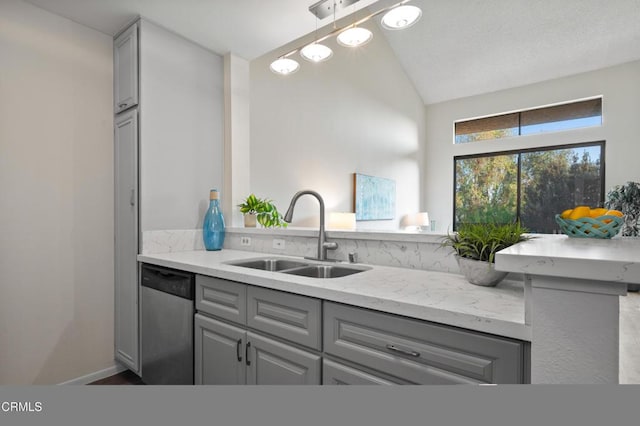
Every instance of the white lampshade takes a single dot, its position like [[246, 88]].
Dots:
[[401, 17], [339, 220], [315, 52], [354, 36], [415, 221], [284, 66]]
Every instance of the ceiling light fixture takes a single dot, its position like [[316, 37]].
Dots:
[[401, 17], [316, 52], [284, 66], [349, 36], [354, 37]]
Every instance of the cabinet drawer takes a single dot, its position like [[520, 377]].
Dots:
[[336, 373], [289, 316], [419, 351], [222, 298]]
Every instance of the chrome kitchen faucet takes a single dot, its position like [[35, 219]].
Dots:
[[323, 244]]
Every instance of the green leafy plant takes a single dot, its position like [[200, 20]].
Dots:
[[626, 198], [266, 212], [482, 241]]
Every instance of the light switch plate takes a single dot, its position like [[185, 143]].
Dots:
[[245, 241]]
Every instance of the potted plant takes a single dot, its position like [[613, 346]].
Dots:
[[626, 198], [262, 211], [476, 246]]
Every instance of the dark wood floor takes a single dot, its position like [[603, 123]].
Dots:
[[123, 378]]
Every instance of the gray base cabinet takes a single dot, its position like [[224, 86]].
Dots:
[[246, 334], [230, 348]]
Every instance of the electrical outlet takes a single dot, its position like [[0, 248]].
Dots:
[[278, 244], [245, 241]]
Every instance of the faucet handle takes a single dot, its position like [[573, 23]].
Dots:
[[330, 245]]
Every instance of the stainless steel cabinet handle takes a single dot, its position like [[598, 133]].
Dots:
[[402, 351], [238, 345], [246, 353], [132, 201]]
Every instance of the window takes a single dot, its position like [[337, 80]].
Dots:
[[568, 116], [528, 185]]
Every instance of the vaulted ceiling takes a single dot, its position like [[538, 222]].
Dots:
[[459, 47]]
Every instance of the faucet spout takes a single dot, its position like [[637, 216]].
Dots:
[[323, 244]]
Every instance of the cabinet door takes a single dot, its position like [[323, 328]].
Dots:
[[126, 240], [336, 373], [125, 72], [270, 362], [219, 352]]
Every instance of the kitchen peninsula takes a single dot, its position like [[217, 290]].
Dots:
[[572, 289], [567, 308]]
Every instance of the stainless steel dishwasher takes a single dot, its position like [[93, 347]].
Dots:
[[167, 326]]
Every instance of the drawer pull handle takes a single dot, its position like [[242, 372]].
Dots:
[[402, 351], [238, 353], [122, 105], [246, 353]]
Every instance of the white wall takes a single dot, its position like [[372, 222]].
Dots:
[[56, 197], [181, 127], [357, 112], [620, 88]]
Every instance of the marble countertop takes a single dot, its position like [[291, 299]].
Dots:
[[612, 260], [434, 296]]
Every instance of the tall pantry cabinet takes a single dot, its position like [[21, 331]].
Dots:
[[168, 138]]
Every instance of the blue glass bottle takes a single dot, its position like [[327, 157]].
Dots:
[[213, 228]]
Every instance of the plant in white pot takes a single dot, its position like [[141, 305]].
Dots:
[[476, 246], [262, 211]]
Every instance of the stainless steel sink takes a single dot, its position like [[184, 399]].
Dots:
[[325, 271], [294, 267], [269, 264]]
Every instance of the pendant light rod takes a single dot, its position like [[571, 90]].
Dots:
[[355, 24]]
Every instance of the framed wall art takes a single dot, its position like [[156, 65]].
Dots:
[[374, 198]]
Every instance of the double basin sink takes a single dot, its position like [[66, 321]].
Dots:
[[295, 267]]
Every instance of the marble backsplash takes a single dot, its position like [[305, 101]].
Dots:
[[406, 250], [169, 241]]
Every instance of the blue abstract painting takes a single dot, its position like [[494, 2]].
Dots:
[[374, 198]]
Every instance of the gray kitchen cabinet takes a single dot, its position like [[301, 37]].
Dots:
[[229, 351], [270, 362], [219, 351], [125, 69], [337, 373], [126, 239], [417, 351]]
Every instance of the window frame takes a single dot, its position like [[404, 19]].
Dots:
[[519, 120], [519, 152]]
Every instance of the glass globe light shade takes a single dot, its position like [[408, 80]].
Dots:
[[401, 17], [354, 36], [315, 52], [284, 66]]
